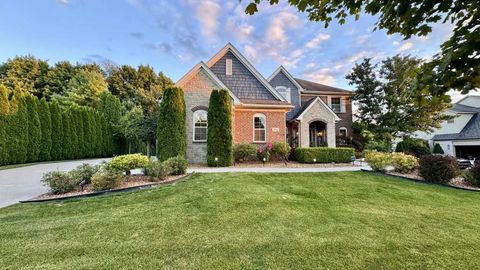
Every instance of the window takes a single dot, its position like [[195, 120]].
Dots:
[[342, 131], [228, 67], [336, 106], [259, 128], [285, 92], [200, 126]]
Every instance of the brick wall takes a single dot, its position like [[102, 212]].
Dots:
[[243, 125]]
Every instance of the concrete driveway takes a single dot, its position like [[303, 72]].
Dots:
[[24, 183]]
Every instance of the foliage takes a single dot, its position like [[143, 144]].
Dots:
[[131, 125], [157, 170], [34, 131], [105, 179], [416, 147], [324, 154], [438, 168], [404, 163], [437, 149], [219, 135], [86, 87], [177, 165], [280, 150], [57, 131], [128, 162], [245, 152], [399, 162], [59, 182], [25, 75], [473, 177], [4, 110], [171, 133], [17, 132], [58, 78], [378, 145], [264, 152], [455, 67], [84, 172], [45, 130], [391, 101], [378, 161]]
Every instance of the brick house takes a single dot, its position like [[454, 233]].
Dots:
[[280, 108]]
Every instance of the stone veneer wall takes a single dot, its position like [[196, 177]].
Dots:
[[317, 113], [243, 125]]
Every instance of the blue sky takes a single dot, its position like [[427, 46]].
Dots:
[[172, 36]]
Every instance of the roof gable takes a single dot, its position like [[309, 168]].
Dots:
[[245, 82], [282, 70], [311, 103]]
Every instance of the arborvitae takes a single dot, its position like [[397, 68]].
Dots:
[[219, 136], [111, 108], [57, 131], [17, 132], [46, 130], [437, 149], [4, 110], [91, 133], [67, 135], [34, 129], [87, 140], [73, 136], [80, 133], [171, 134], [98, 135]]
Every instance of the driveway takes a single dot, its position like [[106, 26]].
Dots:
[[24, 183]]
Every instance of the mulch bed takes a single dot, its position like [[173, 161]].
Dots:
[[458, 182], [132, 182], [280, 164]]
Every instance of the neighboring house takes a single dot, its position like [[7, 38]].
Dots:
[[281, 108], [460, 136]]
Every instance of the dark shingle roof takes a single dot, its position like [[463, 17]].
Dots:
[[304, 106], [464, 108], [264, 101], [317, 87], [471, 131]]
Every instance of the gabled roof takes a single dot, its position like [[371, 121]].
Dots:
[[309, 104], [471, 131], [460, 108], [248, 65], [309, 86], [212, 76], [287, 74]]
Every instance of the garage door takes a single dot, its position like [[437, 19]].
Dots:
[[467, 151]]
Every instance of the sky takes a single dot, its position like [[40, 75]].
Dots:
[[172, 36]]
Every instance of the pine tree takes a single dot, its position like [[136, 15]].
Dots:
[[34, 129], [171, 134], [4, 110], [219, 136], [46, 131], [57, 131]]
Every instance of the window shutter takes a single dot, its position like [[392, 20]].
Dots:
[[342, 104], [228, 67]]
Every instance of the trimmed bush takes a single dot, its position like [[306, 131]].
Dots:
[[437, 149], [84, 172], [416, 147], [105, 179], [263, 152], [46, 131], [280, 150], [245, 152], [378, 161], [404, 163], [57, 131], [324, 154], [219, 135], [438, 169], [177, 165], [400, 162], [129, 162], [171, 133], [157, 170], [34, 129], [473, 177], [59, 182], [17, 131]]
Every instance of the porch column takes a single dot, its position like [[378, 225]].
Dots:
[[331, 136], [303, 127]]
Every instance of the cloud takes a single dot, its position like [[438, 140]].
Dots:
[[313, 43], [208, 13], [363, 38], [137, 4], [137, 35], [405, 47], [360, 55], [64, 2], [279, 24], [161, 47], [322, 75]]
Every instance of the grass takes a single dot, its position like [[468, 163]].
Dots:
[[351, 220]]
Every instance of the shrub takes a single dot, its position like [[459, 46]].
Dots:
[[438, 169], [473, 177], [245, 152], [263, 152], [378, 145], [416, 147], [437, 149], [280, 150], [59, 182], [129, 162], [177, 165], [378, 161], [84, 172], [157, 170], [219, 135], [404, 163], [324, 154], [105, 179]]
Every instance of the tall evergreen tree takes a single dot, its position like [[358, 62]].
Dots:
[[4, 110], [57, 131], [219, 136], [78, 113], [67, 135], [111, 107], [73, 136], [91, 133], [34, 129], [46, 131], [171, 134], [86, 132], [17, 133]]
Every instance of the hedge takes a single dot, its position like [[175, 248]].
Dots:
[[219, 135], [324, 154]]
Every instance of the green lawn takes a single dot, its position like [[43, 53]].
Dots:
[[251, 221]]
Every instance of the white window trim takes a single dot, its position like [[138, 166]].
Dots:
[[228, 67], [193, 123], [331, 104], [343, 128], [288, 93], [253, 127]]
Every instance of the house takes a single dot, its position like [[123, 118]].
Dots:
[[280, 108], [459, 136]]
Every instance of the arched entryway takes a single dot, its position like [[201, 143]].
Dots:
[[318, 133]]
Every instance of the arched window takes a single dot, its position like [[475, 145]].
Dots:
[[200, 126], [285, 92], [259, 128], [343, 131]]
